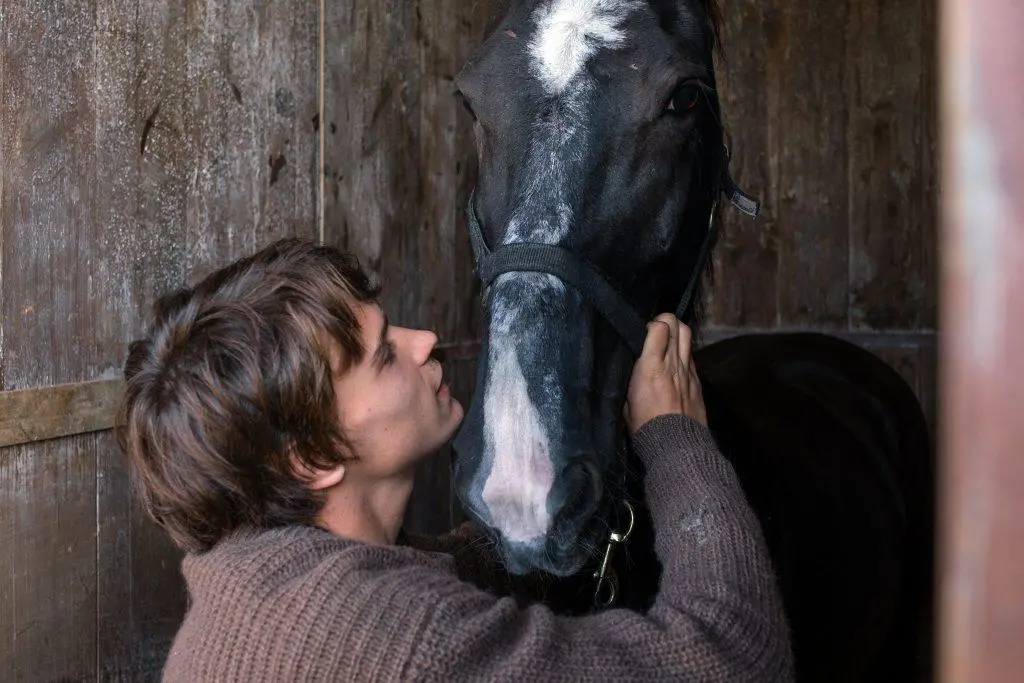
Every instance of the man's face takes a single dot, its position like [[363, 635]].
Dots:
[[394, 406]]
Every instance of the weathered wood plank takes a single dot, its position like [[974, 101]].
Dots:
[[141, 596], [47, 491], [48, 594], [807, 122], [374, 189], [892, 167], [746, 280], [137, 245], [48, 413], [249, 124]]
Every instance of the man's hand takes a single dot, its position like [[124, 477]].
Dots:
[[664, 378]]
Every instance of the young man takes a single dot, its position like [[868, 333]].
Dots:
[[273, 422]]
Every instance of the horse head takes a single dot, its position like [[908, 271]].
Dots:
[[598, 134]]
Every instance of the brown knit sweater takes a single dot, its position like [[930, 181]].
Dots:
[[300, 604]]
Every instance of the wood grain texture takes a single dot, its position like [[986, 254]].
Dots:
[[807, 132], [142, 144], [892, 169], [138, 248], [746, 282], [47, 491], [831, 110], [249, 131], [399, 167], [48, 593], [832, 113], [51, 412]]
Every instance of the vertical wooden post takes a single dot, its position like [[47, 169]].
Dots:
[[982, 487]]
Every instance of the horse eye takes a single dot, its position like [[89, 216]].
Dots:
[[684, 99]]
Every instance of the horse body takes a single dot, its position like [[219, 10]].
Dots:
[[599, 133], [833, 452]]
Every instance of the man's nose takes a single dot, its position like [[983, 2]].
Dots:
[[424, 343]]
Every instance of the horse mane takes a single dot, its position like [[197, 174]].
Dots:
[[714, 14]]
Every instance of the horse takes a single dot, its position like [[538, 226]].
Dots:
[[601, 165]]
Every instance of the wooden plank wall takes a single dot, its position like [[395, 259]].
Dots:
[[831, 107], [140, 142]]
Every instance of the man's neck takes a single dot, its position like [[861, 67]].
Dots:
[[371, 514]]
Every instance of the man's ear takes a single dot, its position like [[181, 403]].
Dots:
[[316, 479]]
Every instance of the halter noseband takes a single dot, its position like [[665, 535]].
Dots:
[[586, 278]]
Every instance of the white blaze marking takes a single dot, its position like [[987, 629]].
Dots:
[[521, 474], [569, 32]]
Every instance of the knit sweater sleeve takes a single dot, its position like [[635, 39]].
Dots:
[[718, 616]]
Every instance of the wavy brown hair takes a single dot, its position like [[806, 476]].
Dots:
[[233, 382]]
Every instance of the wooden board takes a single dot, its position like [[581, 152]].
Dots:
[[140, 84], [249, 128], [47, 199], [786, 110], [51, 412], [746, 282], [892, 169], [399, 165], [48, 594], [832, 114], [140, 143]]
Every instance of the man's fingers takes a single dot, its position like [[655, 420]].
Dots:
[[672, 324], [657, 339], [685, 345], [673, 334]]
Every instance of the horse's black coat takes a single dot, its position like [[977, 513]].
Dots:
[[829, 442]]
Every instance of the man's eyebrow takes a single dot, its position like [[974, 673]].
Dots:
[[380, 356]]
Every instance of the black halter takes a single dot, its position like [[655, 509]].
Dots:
[[591, 283]]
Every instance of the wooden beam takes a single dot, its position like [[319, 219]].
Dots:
[[31, 415], [982, 357], [46, 413]]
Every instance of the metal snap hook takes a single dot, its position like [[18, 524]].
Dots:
[[622, 537], [606, 576]]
